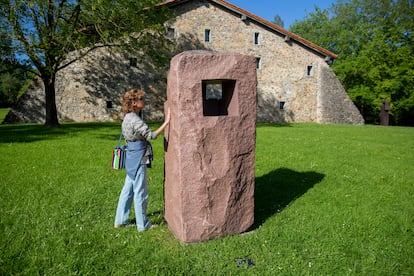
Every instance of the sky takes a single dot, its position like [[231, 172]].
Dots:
[[288, 10]]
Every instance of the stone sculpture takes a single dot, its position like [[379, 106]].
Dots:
[[210, 145]]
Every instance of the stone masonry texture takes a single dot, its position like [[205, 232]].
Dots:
[[295, 84]]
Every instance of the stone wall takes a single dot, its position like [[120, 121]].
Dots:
[[30, 107], [90, 90], [334, 105], [294, 82], [289, 73]]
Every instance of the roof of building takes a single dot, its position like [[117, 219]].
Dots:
[[268, 24]]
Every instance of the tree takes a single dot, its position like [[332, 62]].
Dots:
[[278, 21], [44, 32], [12, 78], [374, 42]]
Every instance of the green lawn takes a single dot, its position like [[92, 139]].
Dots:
[[329, 200]]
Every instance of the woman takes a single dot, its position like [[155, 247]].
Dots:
[[135, 132]]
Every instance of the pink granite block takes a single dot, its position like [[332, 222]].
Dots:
[[210, 145]]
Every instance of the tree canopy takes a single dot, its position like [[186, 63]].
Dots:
[[374, 41], [278, 21], [41, 33]]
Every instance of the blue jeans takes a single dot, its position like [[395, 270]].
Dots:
[[136, 189]]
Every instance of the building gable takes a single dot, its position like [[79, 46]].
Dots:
[[245, 15], [294, 81]]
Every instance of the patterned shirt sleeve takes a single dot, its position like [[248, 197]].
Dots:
[[134, 128]]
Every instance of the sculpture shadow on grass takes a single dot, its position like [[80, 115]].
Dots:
[[278, 189]]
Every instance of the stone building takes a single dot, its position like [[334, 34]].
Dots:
[[295, 82]]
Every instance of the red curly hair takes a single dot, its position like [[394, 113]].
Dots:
[[130, 97]]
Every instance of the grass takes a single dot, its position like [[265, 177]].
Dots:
[[329, 200]]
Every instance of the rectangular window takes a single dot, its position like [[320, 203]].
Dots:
[[214, 90], [170, 33], [282, 105], [258, 63], [108, 104], [220, 98], [207, 35], [133, 62], [309, 70], [256, 38]]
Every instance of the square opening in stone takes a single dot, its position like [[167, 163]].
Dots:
[[219, 98]]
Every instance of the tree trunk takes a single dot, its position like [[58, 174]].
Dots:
[[51, 111]]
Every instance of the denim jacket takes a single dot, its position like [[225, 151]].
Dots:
[[134, 154], [136, 132]]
